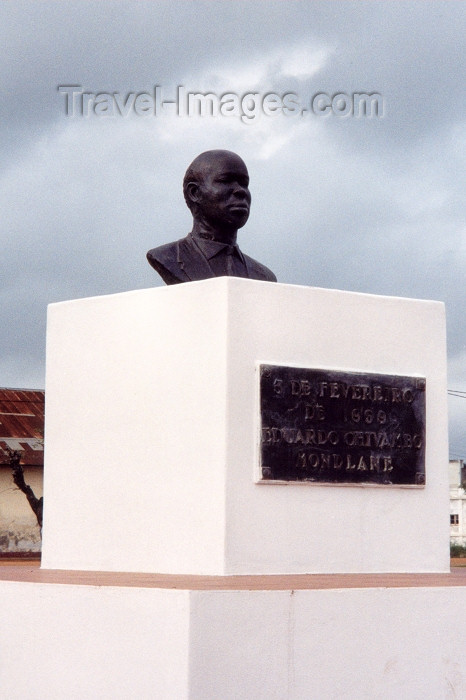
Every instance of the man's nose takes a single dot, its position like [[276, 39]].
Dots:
[[241, 189]]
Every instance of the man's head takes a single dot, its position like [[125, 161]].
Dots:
[[216, 190]]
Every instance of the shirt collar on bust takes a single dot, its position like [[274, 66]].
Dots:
[[212, 248]]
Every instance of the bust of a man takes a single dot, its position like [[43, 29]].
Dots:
[[216, 190]]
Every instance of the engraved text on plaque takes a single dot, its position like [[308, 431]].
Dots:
[[341, 427]]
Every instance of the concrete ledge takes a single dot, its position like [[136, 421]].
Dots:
[[280, 582], [117, 642]]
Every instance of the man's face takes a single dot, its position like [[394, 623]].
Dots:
[[223, 194]]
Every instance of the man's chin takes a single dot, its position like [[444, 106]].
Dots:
[[232, 219], [239, 217]]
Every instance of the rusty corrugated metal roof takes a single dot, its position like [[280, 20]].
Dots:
[[22, 425]]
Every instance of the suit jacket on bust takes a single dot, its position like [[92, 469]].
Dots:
[[183, 261]]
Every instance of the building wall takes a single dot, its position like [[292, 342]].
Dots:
[[19, 531], [457, 503]]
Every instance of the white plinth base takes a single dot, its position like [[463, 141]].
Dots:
[[111, 643], [152, 432]]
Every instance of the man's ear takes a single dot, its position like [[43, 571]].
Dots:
[[192, 190]]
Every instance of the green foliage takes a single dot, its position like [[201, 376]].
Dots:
[[457, 550]]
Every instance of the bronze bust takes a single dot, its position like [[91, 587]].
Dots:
[[216, 190]]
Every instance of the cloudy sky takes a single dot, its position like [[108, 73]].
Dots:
[[366, 204]]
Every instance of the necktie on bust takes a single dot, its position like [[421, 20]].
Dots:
[[230, 251]]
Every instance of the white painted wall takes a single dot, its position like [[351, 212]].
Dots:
[[105, 643], [152, 422], [92, 643], [304, 527], [367, 644], [136, 431], [457, 503], [19, 531]]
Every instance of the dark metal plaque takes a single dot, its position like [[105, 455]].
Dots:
[[341, 427]]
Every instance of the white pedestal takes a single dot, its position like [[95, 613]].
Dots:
[[112, 643], [152, 431], [152, 423]]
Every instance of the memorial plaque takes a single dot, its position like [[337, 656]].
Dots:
[[329, 426]]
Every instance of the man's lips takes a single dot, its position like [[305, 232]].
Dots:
[[240, 205]]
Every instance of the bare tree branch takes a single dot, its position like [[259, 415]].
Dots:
[[37, 504]]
